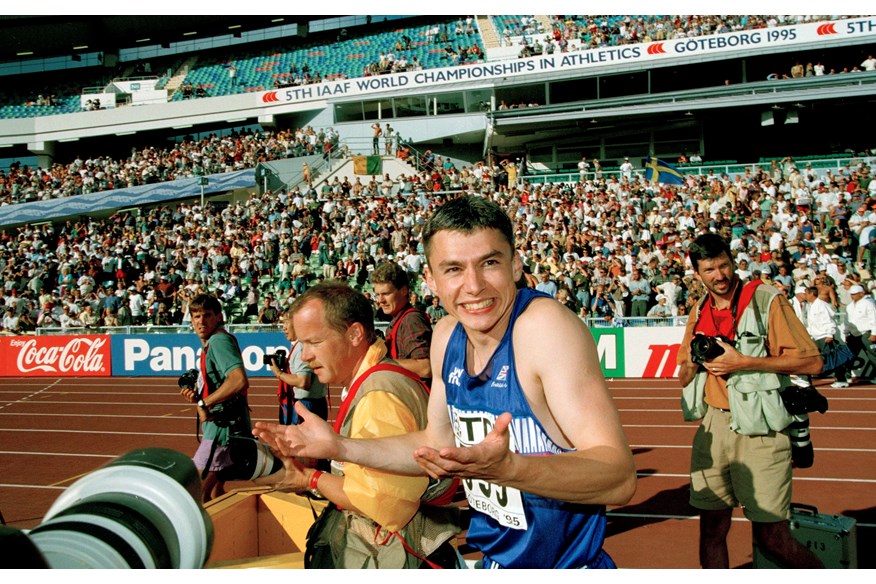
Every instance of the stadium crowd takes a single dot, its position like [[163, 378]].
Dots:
[[188, 158], [610, 246], [590, 32]]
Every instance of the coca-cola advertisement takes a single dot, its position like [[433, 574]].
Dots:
[[55, 356]]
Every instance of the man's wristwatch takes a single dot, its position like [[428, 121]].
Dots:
[[203, 404]]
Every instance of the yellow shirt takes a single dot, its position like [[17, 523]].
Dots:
[[390, 500]]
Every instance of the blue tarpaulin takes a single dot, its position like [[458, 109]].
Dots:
[[37, 211]]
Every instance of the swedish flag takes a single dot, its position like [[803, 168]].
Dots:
[[662, 172]]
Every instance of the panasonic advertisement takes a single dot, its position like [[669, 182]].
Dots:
[[173, 355]]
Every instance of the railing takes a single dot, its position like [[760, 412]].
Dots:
[[629, 321], [730, 169], [144, 329], [591, 322], [272, 328]]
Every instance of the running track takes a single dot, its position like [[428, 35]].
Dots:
[[53, 431]]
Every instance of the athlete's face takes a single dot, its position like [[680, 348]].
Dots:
[[390, 299], [717, 275], [474, 275]]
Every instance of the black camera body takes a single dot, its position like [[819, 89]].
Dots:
[[705, 348], [278, 358], [803, 400], [188, 380]]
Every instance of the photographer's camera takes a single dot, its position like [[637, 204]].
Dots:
[[278, 358], [705, 348], [188, 380]]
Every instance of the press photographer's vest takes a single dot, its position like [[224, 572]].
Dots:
[[756, 406], [437, 519]]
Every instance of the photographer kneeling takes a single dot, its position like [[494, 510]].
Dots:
[[742, 450]]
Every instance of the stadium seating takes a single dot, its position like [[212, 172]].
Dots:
[[346, 58], [514, 23]]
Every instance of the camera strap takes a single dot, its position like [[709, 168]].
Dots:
[[760, 328], [734, 306]]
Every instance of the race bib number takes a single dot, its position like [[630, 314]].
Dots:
[[503, 504]]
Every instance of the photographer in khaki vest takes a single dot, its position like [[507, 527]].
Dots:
[[746, 342], [375, 518]]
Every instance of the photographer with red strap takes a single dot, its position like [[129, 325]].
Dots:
[[386, 522], [296, 379], [409, 335], [220, 394], [741, 453]]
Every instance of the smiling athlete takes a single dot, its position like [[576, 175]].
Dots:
[[531, 430]]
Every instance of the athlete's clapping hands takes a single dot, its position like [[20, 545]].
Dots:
[[489, 460], [312, 438]]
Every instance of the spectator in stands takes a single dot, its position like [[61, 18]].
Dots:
[[546, 284], [640, 293], [375, 139], [626, 169], [11, 322], [269, 313], [660, 310], [822, 326], [389, 136]]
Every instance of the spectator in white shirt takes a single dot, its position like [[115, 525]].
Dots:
[[10, 323], [861, 314], [822, 327]]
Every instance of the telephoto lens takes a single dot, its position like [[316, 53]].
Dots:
[[252, 460], [802, 453], [142, 510]]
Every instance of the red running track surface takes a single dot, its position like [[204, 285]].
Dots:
[[53, 431]]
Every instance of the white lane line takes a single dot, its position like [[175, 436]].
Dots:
[[32, 395], [40, 431], [694, 516], [813, 479], [688, 447], [691, 425]]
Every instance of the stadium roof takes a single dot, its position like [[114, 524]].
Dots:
[[53, 36]]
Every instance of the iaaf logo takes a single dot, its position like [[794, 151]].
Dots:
[[656, 49], [270, 96], [829, 28], [79, 355]]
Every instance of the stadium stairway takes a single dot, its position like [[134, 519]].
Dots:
[[176, 80], [545, 22], [489, 34], [345, 168]]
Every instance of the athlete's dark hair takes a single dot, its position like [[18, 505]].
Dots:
[[468, 213], [343, 307], [706, 247]]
